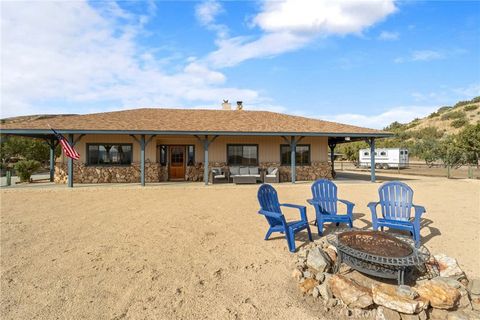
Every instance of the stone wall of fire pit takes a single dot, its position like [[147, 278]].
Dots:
[[442, 292]]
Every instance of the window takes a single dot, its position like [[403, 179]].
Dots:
[[242, 155], [366, 153], [190, 155], [383, 153], [406, 152], [302, 155], [109, 154]]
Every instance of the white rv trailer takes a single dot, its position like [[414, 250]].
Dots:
[[384, 158]]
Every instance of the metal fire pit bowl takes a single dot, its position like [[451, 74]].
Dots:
[[378, 253]]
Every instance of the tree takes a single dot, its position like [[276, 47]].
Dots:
[[26, 168], [451, 152], [469, 141], [25, 148], [427, 149]]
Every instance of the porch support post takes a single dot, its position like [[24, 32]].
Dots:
[[52, 145], [70, 163], [372, 159], [206, 144], [293, 147], [332, 146], [142, 160]]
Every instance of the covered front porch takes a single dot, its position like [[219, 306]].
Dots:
[[154, 158]]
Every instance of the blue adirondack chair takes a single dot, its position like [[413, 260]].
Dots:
[[270, 208], [396, 201], [325, 201]]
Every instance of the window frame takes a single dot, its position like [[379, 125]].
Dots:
[[87, 154], [167, 155], [242, 145], [309, 163]]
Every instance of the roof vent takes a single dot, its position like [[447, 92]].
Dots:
[[226, 105], [239, 105]]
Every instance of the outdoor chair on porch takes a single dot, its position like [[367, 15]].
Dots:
[[396, 201], [270, 208], [325, 200], [219, 175]]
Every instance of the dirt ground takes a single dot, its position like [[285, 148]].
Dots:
[[185, 251]]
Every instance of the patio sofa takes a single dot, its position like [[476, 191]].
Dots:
[[245, 174]]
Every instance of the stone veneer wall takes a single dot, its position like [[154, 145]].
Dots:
[[154, 172]]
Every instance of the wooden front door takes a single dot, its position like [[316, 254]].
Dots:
[[177, 163]]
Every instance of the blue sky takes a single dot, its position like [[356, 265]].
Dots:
[[364, 62]]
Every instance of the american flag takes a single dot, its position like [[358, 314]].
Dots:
[[67, 148]]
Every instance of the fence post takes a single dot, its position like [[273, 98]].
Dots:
[[448, 171], [9, 177], [341, 165], [470, 176]]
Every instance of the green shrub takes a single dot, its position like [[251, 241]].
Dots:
[[470, 107], [457, 123], [461, 103], [26, 168], [444, 109], [453, 115], [434, 114], [476, 99]]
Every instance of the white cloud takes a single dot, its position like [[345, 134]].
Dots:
[[291, 24], [426, 55], [388, 36], [423, 55], [469, 92], [379, 121], [72, 57], [207, 11]]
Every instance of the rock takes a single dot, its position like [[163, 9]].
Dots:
[[320, 277], [324, 291], [307, 285], [464, 302], [297, 274], [474, 286], [449, 282], [332, 254], [307, 274], [406, 291], [475, 301], [344, 269], [318, 260], [440, 295], [399, 300], [303, 253], [331, 303], [387, 314], [448, 266], [409, 316], [349, 292], [315, 292], [438, 314], [457, 315]]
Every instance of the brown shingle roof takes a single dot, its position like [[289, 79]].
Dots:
[[191, 120]]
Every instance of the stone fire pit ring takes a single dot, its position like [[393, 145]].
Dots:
[[378, 254]]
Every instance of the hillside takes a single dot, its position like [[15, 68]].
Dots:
[[449, 120]]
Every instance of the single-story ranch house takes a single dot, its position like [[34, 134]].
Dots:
[[156, 144]]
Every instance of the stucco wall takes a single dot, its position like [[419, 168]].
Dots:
[[268, 147]]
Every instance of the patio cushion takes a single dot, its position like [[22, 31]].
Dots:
[[244, 171], [235, 170], [272, 170], [219, 176], [271, 175], [216, 171], [253, 170]]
